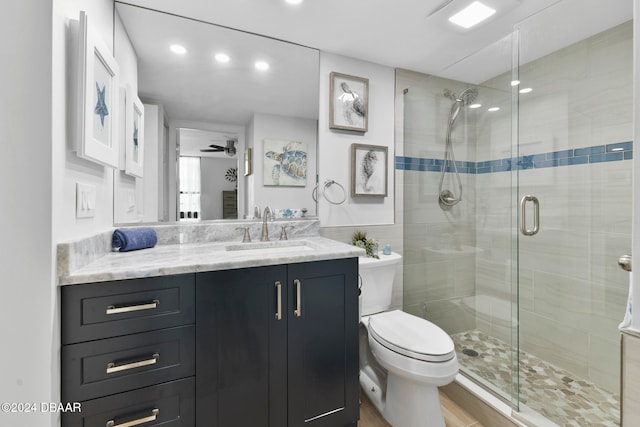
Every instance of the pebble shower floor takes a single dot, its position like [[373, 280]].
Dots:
[[552, 392]]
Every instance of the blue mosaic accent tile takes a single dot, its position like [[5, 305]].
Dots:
[[594, 154], [525, 166], [532, 158], [609, 157], [588, 151], [560, 154], [574, 160], [502, 168], [546, 164], [625, 146]]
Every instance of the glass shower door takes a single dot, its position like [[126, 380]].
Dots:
[[574, 171]]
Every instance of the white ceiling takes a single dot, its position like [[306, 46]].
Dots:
[[410, 34]]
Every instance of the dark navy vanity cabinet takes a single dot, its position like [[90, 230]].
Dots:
[[265, 346], [278, 346], [128, 352]]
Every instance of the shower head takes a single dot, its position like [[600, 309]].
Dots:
[[466, 97]]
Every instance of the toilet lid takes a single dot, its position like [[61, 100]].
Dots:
[[411, 336]]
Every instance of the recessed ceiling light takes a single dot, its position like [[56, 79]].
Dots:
[[475, 105], [294, 1], [222, 58], [178, 49], [515, 82], [262, 65], [526, 90], [472, 15], [492, 109]]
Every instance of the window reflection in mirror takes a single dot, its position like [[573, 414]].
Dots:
[[232, 100]]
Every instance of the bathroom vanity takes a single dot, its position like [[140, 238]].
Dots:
[[262, 336]]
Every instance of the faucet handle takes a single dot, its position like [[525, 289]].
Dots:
[[246, 237], [283, 231]]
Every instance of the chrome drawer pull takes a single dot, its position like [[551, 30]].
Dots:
[[112, 309], [112, 367], [279, 301], [298, 311], [148, 419]]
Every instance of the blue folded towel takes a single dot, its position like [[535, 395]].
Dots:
[[132, 239]]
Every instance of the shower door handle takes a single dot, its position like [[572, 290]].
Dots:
[[523, 215]]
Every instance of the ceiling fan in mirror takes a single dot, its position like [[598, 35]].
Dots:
[[229, 149]]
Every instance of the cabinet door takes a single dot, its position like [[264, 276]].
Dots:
[[323, 343], [240, 348]]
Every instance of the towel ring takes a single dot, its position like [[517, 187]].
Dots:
[[328, 183]]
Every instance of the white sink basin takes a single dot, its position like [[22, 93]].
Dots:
[[271, 248]]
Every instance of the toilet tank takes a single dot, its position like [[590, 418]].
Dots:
[[377, 282]]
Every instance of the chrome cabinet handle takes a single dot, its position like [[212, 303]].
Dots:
[[279, 300], [523, 215], [112, 309], [625, 262], [143, 420], [112, 367], [298, 311]]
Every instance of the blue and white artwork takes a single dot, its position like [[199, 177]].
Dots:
[[136, 120], [285, 163], [101, 108], [102, 103]]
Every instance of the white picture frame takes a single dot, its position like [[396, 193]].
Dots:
[[134, 134], [97, 98]]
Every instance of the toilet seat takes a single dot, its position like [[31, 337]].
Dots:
[[411, 336]]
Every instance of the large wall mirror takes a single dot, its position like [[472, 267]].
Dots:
[[230, 120]]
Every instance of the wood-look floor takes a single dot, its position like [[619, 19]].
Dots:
[[454, 416]]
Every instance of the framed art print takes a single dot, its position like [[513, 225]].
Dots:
[[97, 98], [134, 134], [284, 163], [348, 102], [368, 170]]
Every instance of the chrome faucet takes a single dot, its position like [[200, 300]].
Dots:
[[265, 230]]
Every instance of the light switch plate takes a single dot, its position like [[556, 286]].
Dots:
[[85, 200]]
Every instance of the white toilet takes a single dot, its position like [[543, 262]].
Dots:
[[403, 358]]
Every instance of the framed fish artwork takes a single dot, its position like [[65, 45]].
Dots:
[[369, 169], [97, 93], [348, 102]]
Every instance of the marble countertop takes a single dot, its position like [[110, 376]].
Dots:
[[206, 256]]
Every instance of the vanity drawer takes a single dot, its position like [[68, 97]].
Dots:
[[170, 405], [102, 310], [99, 368]]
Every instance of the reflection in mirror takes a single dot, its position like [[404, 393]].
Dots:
[[208, 166], [208, 93]]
